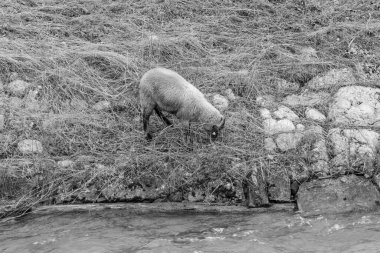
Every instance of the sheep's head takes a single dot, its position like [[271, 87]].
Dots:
[[215, 129]]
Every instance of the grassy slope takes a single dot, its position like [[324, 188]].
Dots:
[[93, 50]]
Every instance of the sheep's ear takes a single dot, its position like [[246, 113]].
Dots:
[[223, 122]]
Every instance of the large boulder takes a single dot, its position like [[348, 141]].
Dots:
[[254, 188], [279, 186], [356, 105], [353, 147], [345, 194], [313, 150]]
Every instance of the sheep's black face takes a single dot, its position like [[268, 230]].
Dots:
[[214, 132]]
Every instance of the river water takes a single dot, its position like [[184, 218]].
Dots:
[[116, 231]]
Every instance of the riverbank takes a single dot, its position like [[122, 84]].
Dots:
[[297, 81]]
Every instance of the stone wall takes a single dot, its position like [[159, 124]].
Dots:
[[332, 124]]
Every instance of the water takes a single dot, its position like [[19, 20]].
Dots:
[[116, 231]]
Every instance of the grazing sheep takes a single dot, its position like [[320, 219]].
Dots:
[[165, 90]]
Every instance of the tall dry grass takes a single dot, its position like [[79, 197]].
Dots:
[[83, 52]]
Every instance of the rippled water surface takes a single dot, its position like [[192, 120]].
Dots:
[[115, 231]]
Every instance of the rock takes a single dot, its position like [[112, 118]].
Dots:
[[286, 87], [32, 94], [300, 127], [348, 193], [18, 88], [307, 99], [254, 188], [316, 130], [269, 144], [353, 146], [313, 149], [333, 78], [13, 76], [279, 186], [102, 106], [308, 54], [30, 147], [314, 114], [220, 102], [287, 141], [265, 113], [196, 196], [356, 105], [272, 126], [267, 101], [15, 104], [230, 94], [65, 164], [319, 151], [284, 112], [2, 122], [320, 168]]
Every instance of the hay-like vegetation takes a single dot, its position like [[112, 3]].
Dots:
[[78, 53]]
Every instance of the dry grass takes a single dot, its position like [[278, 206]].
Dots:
[[82, 52]]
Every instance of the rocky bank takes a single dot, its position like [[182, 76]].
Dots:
[[332, 125], [328, 129]]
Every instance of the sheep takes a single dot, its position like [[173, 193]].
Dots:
[[165, 90]]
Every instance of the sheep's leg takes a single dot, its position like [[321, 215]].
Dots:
[[188, 134], [165, 119], [146, 116]]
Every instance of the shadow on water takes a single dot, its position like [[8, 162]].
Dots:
[[116, 231]]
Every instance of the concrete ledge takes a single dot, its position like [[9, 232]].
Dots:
[[167, 207]]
